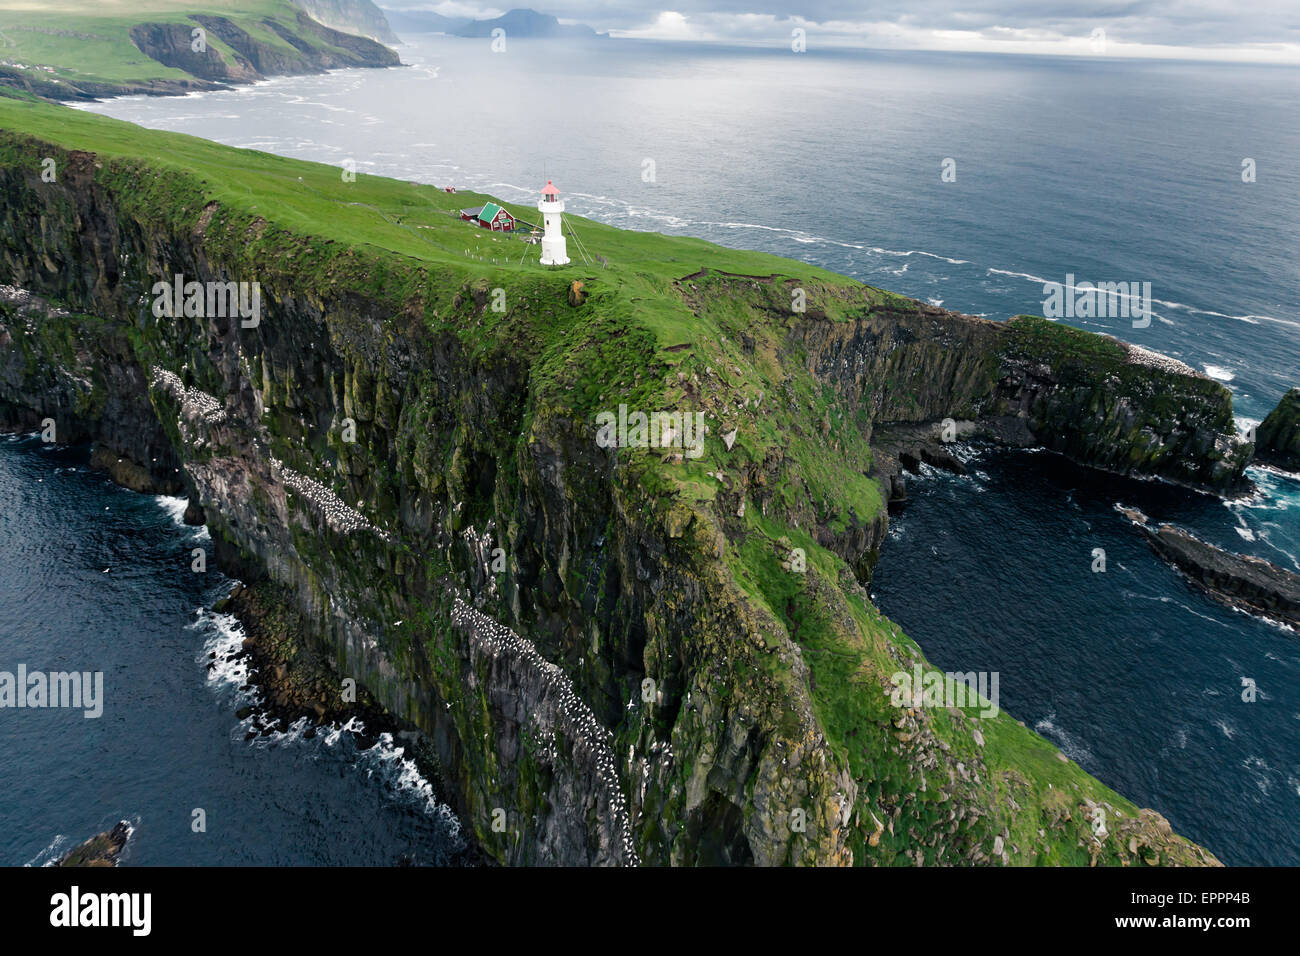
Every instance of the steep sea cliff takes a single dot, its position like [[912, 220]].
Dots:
[[618, 655]]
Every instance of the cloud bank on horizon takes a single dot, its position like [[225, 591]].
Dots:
[[1262, 31]]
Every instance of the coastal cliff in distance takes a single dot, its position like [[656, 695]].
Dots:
[[662, 654], [173, 46], [360, 17]]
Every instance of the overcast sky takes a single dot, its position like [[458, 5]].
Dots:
[[1262, 30]]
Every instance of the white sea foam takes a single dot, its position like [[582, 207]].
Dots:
[[223, 636], [919, 252], [228, 672], [1070, 745], [174, 506], [384, 762], [52, 853], [1260, 772]]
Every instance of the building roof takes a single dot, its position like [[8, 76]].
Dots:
[[486, 213], [549, 189]]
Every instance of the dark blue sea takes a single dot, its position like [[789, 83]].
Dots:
[[1108, 170], [97, 578]]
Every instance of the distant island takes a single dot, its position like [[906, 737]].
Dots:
[[516, 23]]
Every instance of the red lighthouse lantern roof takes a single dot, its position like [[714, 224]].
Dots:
[[550, 189]]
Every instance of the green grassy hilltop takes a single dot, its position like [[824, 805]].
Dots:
[[735, 582]]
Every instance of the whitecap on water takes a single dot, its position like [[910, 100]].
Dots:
[[1260, 772], [60, 845]]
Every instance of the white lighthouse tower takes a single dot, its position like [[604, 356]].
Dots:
[[553, 246]]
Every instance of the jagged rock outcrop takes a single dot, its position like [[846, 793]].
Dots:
[[1032, 382], [1277, 439], [80, 373], [1242, 581], [102, 849], [171, 44]]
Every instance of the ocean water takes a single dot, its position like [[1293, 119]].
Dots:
[[1105, 170], [97, 578], [1132, 672]]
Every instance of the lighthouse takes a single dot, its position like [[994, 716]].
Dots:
[[551, 206]]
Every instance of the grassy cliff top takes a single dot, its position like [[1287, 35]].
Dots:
[[421, 222]]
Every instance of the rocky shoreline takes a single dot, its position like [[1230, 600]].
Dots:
[[904, 449]]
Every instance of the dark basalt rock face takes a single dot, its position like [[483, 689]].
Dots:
[[318, 48], [1277, 439], [96, 393], [1032, 382]]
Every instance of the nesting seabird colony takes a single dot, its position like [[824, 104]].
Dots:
[[1137, 355], [338, 516], [496, 639], [480, 547], [28, 303], [195, 403]]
